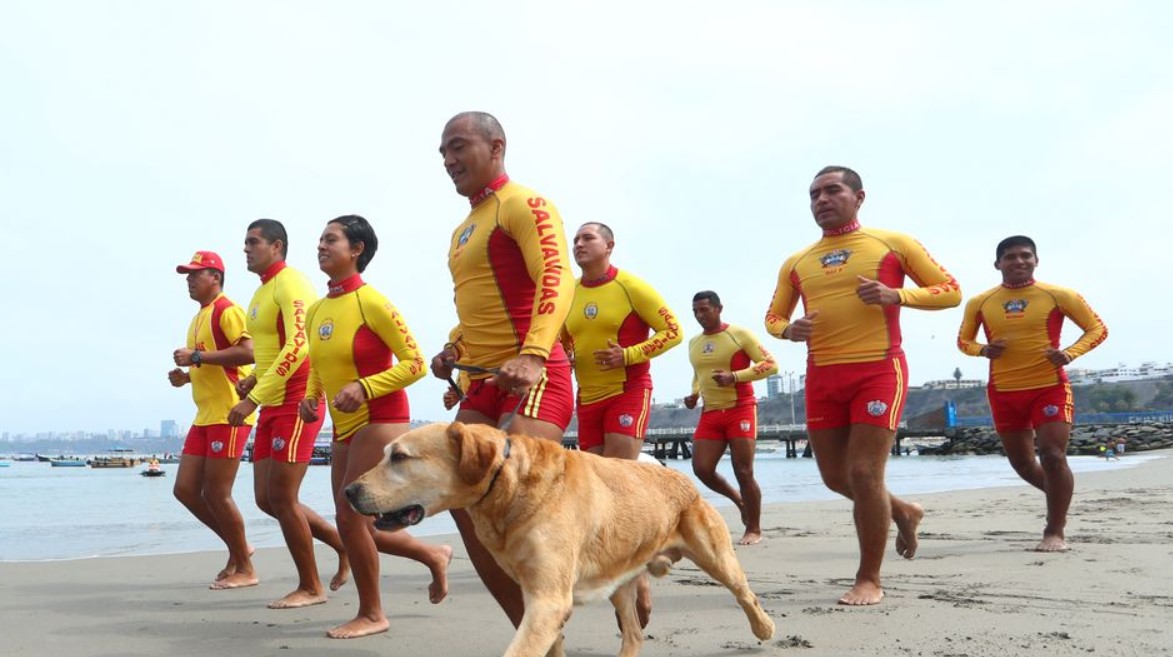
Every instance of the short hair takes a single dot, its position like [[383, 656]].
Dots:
[[850, 177], [358, 229], [1013, 241], [219, 274], [485, 124], [707, 295], [604, 230], [272, 230]]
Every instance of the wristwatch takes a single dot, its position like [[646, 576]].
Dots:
[[195, 358]]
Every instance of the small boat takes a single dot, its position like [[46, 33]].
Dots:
[[119, 457], [4, 464], [63, 462], [153, 469]]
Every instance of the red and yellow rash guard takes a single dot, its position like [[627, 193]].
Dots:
[[623, 309], [1030, 319], [733, 349], [218, 325], [825, 276], [511, 271], [355, 334], [276, 322]]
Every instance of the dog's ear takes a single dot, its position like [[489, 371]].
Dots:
[[475, 454]]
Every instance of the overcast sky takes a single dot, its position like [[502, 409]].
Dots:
[[137, 132]]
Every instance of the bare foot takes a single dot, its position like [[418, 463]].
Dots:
[[906, 539], [863, 593], [235, 581], [750, 538], [359, 627], [298, 599], [643, 600], [343, 575], [230, 567], [1051, 543], [438, 589]]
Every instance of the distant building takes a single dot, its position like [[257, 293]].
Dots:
[[168, 429], [1122, 372], [953, 384], [774, 386]]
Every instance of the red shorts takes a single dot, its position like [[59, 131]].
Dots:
[[551, 399], [282, 436], [1015, 410], [724, 424], [216, 441], [856, 393], [626, 413]]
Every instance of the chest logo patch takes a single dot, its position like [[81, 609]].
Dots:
[[835, 258], [591, 310], [1015, 306], [465, 234], [326, 330], [708, 348], [253, 313]]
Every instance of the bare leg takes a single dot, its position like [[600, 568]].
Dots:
[[705, 455], [1059, 483], [189, 484], [852, 461], [742, 453], [1020, 451], [284, 482], [219, 477]]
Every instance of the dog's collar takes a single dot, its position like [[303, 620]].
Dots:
[[497, 473]]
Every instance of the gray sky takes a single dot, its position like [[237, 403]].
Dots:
[[137, 132]]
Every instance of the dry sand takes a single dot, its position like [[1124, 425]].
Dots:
[[974, 590]]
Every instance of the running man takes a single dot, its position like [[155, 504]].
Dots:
[[217, 354], [283, 443], [511, 272], [726, 360], [1030, 397], [607, 335], [851, 283]]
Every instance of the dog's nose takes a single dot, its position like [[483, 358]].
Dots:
[[352, 491]]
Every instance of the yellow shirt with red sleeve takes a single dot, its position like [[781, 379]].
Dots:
[[276, 322], [511, 271], [356, 334], [1030, 320], [218, 325], [825, 276], [733, 349], [623, 309]]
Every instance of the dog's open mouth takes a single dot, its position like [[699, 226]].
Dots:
[[405, 517]]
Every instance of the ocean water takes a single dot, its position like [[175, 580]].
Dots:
[[49, 513]]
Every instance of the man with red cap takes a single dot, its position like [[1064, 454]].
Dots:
[[217, 354]]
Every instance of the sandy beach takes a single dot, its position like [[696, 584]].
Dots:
[[974, 590]]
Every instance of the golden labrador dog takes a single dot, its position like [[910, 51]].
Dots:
[[568, 526]]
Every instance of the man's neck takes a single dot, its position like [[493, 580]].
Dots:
[[595, 271], [209, 299]]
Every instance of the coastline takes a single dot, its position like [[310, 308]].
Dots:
[[974, 589]]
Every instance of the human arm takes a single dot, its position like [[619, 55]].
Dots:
[[654, 312], [178, 378], [1094, 330], [536, 227], [782, 306], [238, 354], [389, 325], [442, 362], [293, 295], [763, 362], [937, 287]]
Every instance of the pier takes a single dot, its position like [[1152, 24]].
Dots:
[[676, 442]]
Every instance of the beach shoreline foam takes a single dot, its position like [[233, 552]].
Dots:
[[974, 589]]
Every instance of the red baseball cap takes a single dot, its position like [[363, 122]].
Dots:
[[202, 260]]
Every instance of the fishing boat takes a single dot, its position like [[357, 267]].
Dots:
[[64, 462], [119, 457]]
